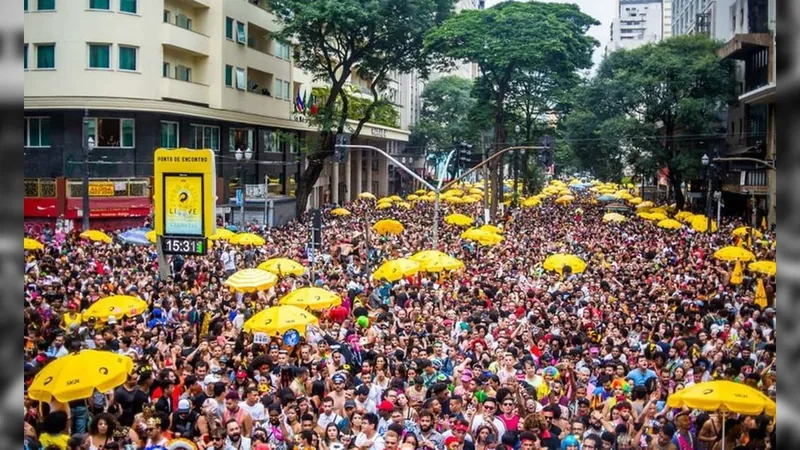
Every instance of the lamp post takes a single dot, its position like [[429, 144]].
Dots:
[[88, 146], [515, 202], [707, 168], [242, 158]]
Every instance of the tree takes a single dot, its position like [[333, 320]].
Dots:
[[653, 107], [512, 38], [444, 121], [336, 38]]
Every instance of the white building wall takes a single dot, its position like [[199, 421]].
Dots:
[[637, 22]]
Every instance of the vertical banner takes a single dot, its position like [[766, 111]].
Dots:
[[185, 192]]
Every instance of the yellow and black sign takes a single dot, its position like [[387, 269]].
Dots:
[[101, 188], [185, 192]]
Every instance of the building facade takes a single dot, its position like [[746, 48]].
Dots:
[[636, 23], [171, 73]]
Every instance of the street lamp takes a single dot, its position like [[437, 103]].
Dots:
[[242, 158], [706, 162], [88, 147]]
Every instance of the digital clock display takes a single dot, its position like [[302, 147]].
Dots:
[[183, 245]]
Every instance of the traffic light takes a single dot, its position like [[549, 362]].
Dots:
[[545, 155], [340, 153]]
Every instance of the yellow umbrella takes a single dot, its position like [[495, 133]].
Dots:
[[396, 198], [426, 255], [118, 306], [339, 212], [644, 215], [283, 267], [32, 244], [279, 319], [251, 280], [420, 192], [383, 205], [761, 294], [396, 269], [669, 224], [763, 267], [557, 262], [724, 396], [247, 239], [687, 218], [412, 197], [441, 264], [614, 217], [491, 229], [531, 202], [459, 220], [681, 215], [647, 204], [405, 205], [388, 226], [366, 195], [564, 199], [747, 231], [635, 201], [453, 193], [453, 200], [700, 224], [96, 236], [151, 236], [313, 298], [658, 211], [78, 375], [731, 253], [222, 234], [482, 237], [476, 191], [737, 276]]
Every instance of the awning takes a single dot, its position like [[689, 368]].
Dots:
[[761, 96], [743, 44]]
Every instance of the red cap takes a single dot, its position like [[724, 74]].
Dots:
[[241, 375], [386, 405], [450, 441]]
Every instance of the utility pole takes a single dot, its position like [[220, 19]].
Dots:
[[485, 182], [88, 146]]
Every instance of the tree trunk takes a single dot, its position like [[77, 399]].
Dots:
[[309, 177], [496, 166], [675, 182]]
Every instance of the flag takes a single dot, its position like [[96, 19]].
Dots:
[[750, 241], [764, 223], [313, 109], [761, 294], [305, 102], [737, 276], [298, 103]]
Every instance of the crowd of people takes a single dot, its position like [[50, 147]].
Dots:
[[500, 355]]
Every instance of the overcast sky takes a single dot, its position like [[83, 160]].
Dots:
[[602, 10]]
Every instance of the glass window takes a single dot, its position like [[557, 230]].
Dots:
[[128, 6], [284, 51], [241, 79], [165, 70], [46, 5], [241, 37], [127, 57], [37, 132], [228, 75], [183, 73], [25, 57], [25, 7], [45, 56], [167, 16], [282, 89], [99, 56], [99, 4], [240, 138], [204, 136], [229, 28], [169, 134], [111, 132]]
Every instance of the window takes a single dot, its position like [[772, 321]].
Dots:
[[99, 56], [240, 138], [228, 76], [229, 28], [100, 4], [204, 136], [46, 5], [37, 132], [25, 56], [106, 132], [25, 7], [183, 73], [165, 70], [272, 141], [45, 56], [282, 89], [183, 21], [283, 50], [128, 57], [241, 36], [241, 79], [128, 6], [167, 16], [169, 134]]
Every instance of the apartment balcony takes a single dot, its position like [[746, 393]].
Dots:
[[184, 91], [746, 182], [183, 39], [261, 15]]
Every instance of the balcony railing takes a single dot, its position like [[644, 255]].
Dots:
[[40, 187], [750, 178]]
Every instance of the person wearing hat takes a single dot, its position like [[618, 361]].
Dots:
[[183, 423]]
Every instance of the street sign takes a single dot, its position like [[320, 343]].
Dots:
[[184, 199]]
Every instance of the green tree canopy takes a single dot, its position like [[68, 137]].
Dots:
[[446, 103], [656, 106], [335, 38]]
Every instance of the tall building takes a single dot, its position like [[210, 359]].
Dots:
[[175, 73], [666, 20], [637, 22], [747, 28]]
